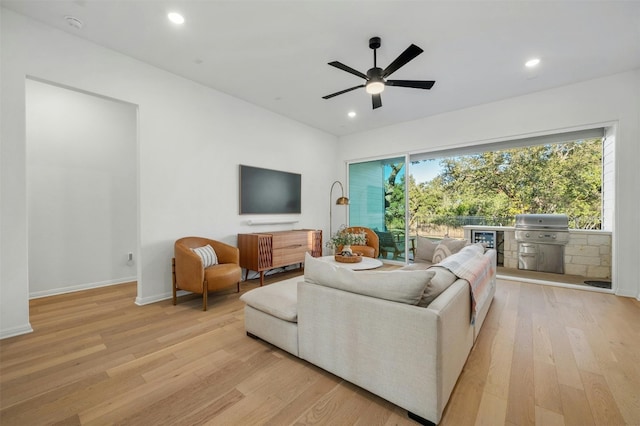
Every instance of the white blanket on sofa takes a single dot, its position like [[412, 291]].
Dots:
[[472, 265]]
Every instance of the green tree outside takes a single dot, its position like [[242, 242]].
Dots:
[[496, 185]]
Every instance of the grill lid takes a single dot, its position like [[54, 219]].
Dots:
[[559, 222]]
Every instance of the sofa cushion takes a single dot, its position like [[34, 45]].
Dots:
[[425, 248], [278, 299], [317, 271], [447, 247], [397, 286], [441, 281], [207, 254]]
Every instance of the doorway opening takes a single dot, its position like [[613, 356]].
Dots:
[[82, 189]]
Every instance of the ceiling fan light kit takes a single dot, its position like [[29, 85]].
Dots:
[[374, 87], [376, 77]]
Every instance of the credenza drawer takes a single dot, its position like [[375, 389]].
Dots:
[[289, 255], [292, 239]]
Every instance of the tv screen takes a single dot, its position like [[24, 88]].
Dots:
[[265, 191]]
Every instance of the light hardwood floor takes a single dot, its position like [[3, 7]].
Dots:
[[546, 356]]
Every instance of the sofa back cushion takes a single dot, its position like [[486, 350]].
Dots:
[[396, 286], [441, 281], [446, 248], [425, 249]]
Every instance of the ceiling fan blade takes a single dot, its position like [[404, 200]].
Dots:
[[415, 84], [410, 53], [377, 101], [348, 69], [342, 91]]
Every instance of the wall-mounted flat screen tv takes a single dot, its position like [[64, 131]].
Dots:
[[266, 191]]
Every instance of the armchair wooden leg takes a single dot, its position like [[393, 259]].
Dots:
[[173, 272], [204, 299], [238, 287]]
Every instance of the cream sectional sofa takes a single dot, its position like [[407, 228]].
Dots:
[[403, 335]]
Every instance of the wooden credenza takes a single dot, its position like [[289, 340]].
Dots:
[[267, 250]]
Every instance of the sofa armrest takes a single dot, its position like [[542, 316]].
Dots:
[[394, 350]]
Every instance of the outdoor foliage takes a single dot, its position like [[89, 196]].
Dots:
[[559, 178]]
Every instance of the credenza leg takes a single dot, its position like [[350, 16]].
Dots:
[[261, 278]]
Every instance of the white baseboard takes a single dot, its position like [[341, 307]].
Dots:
[[80, 287], [141, 301], [16, 331]]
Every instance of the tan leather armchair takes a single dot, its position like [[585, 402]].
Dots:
[[189, 275], [372, 249]]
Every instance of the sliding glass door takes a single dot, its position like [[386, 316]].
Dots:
[[377, 200]]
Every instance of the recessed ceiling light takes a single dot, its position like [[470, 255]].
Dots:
[[532, 62], [351, 114], [176, 18]]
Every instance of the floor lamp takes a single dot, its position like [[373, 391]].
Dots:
[[342, 201]]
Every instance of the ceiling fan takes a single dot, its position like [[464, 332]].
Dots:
[[376, 77]]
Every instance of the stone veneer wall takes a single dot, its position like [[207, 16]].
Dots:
[[587, 254]]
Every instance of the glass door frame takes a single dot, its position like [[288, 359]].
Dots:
[[407, 163]]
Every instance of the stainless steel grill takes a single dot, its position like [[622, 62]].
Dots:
[[541, 239]]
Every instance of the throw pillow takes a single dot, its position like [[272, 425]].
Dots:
[[425, 249], [207, 254], [441, 281], [447, 247]]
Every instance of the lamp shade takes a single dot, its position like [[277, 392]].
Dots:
[[342, 201]]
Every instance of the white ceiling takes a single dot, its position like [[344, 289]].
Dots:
[[274, 53]]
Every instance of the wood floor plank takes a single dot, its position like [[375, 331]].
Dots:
[[521, 400], [585, 359], [545, 356], [545, 417], [542, 347], [322, 385], [492, 410], [546, 387], [564, 360], [601, 401], [575, 407]]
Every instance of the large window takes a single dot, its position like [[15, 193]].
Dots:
[[377, 200], [555, 174]]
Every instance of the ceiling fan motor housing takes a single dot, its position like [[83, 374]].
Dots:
[[375, 73]]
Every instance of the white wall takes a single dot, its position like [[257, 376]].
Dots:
[[191, 140], [613, 100], [82, 189]]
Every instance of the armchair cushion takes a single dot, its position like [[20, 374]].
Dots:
[[364, 250], [207, 254]]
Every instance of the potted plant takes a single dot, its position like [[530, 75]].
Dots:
[[342, 240]]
